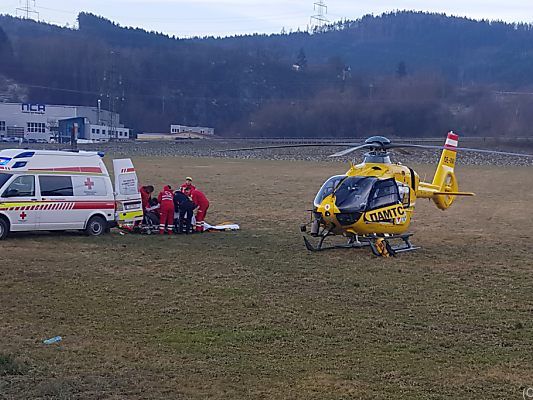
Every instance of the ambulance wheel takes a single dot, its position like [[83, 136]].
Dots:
[[96, 226], [4, 228]]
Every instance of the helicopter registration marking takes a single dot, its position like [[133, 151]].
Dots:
[[450, 161], [396, 212]]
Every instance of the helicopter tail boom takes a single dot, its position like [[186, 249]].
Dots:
[[444, 187], [454, 193]]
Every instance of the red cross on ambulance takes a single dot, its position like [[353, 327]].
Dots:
[[89, 184]]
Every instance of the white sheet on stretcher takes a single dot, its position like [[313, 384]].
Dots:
[[225, 227]]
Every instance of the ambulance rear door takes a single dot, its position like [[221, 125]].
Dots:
[[127, 196]]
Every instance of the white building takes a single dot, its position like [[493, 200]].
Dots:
[[177, 129], [104, 133], [40, 122]]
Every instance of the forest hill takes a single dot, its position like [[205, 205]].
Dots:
[[405, 73]]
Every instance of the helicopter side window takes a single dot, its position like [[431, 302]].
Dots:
[[384, 193], [404, 192]]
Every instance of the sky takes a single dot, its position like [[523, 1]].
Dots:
[[187, 18]]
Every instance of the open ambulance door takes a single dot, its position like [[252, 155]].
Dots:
[[127, 197]]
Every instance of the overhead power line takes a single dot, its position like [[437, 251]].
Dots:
[[26, 9], [319, 20], [184, 18]]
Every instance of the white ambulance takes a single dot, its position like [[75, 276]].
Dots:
[[43, 190]]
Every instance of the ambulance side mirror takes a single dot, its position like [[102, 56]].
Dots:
[[11, 193]]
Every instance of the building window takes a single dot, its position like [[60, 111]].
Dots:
[[103, 131], [93, 130], [2, 126], [36, 127], [98, 131]]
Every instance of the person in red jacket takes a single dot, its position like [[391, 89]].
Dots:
[[187, 186], [166, 203], [146, 193], [202, 204]]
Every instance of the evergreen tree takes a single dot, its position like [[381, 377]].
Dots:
[[301, 59], [401, 70]]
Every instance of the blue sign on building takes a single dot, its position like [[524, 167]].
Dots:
[[30, 108]]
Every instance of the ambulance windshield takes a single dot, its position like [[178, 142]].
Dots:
[[4, 178]]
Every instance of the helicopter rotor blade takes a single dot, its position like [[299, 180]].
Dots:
[[466, 149], [287, 146], [404, 152], [388, 146], [351, 150]]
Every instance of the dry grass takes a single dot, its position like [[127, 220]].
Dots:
[[254, 315]]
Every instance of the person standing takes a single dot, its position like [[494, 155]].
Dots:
[[202, 204], [146, 193], [166, 203], [184, 208], [187, 187]]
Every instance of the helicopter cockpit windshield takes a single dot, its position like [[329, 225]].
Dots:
[[351, 195], [359, 193], [327, 188]]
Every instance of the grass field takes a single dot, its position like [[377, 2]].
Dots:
[[253, 315]]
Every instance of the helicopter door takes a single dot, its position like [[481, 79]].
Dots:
[[384, 193]]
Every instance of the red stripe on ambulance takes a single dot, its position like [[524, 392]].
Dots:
[[95, 170], [94, 205]]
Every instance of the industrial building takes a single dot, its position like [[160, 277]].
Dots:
[[199, 130], [41, 123], [82, 129], [179, 132]]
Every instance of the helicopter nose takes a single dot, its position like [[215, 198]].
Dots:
[[328, 209]]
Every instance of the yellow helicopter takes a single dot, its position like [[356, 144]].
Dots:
[[372, 204]]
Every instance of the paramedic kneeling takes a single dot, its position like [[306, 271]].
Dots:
[[166, 203], [202, 205]]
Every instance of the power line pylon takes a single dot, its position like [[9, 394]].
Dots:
[[319, 20], [113, 91], [26, 9]]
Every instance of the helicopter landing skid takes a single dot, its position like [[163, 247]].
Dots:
[[381, 246], [353, 243]]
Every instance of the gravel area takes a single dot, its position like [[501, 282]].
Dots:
[[216, 148]]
